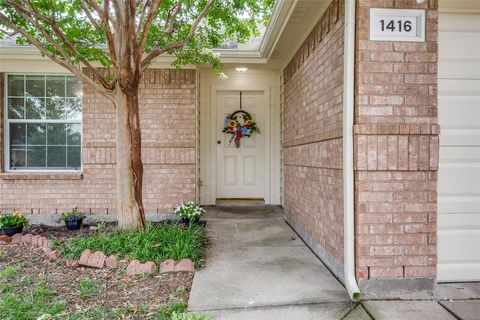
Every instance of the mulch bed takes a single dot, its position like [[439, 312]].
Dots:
[[62, 232], [118, 290]]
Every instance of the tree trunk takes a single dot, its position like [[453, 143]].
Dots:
[[130, 211]]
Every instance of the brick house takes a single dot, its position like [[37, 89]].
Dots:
[[350, 141]]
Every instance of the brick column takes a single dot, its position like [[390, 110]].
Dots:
[[396, 158]]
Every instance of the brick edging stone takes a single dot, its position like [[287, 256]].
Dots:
[[98, 259]]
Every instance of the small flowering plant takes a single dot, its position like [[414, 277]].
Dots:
[[189, 211], [15, 219], [72, 215]]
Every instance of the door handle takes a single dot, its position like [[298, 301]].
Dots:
[[219, 142]]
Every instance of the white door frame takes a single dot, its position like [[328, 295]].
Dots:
[[265, 131], [267, 81]]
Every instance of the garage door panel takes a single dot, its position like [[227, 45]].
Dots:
[[456, 246], [467, 155], [458, 272], [464, 110], [455, 137], [456, 206], [458, 23], [452, 68], [462, 88], [448, 221], [462, 45], [460, 179], [459, 158]]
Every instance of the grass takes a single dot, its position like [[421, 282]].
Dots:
[[41, 303], [89, 288], [8, 272], [155, 243], [30, 304]]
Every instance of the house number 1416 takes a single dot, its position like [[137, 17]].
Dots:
[[392, 25], [397, 24]]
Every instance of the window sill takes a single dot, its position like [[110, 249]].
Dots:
[[41, 176]]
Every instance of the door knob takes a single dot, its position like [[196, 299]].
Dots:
[[219, 142]]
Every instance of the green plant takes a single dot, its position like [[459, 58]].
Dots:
[[26, 281], [155, 243], [72, 215], [189, 211], [30, 304], [8, 272], [5, 287], [89, 288], [166, 312], [15, 219]]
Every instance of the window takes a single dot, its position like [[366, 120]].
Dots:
[[43, 122]]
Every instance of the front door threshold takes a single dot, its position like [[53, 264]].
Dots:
[[240, 202]]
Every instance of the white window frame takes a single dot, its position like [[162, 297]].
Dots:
[[6, 127]]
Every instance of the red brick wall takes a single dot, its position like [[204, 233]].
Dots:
[[312, 138], [168, 119], [396, 158]]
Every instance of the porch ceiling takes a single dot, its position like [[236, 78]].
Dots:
[[292, 21]]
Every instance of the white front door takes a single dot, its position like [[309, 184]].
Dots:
[[240, 171], [459, 166]]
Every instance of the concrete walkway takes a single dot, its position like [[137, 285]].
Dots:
[[258, 269]]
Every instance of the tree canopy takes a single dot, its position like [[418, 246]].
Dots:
[[77, 33]]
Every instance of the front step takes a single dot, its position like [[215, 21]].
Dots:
[[240, 202]]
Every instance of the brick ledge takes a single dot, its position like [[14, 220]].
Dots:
[[41, 176]]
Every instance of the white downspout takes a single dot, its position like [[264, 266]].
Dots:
[[348, 170]]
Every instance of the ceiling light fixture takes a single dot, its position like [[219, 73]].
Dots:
[[241, 69]]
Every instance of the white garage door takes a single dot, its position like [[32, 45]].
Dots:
[[459, 172]]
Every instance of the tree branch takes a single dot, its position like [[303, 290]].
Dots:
[[66, 64], [172, 17], [142, 15], [30, 11], [118, 11], [158, 51], [146, 27], [95, 23], [178, 44], [104, 15]]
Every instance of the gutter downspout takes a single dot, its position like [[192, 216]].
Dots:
[[348, 168]]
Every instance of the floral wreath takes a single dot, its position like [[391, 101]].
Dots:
[[233, 126]]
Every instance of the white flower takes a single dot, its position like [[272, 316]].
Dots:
[[189, 210], [222, 76], [217, 54], [207, 51]]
